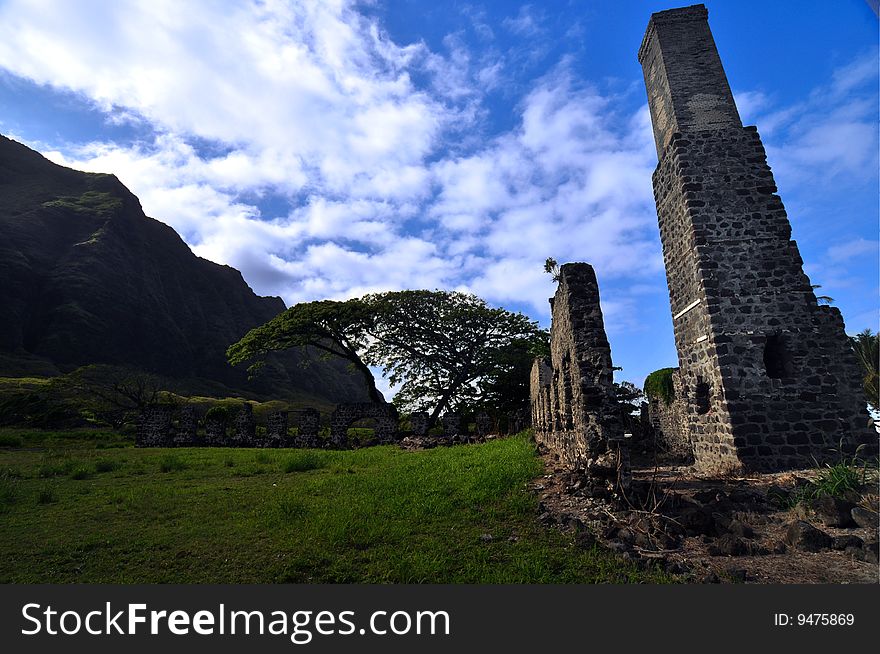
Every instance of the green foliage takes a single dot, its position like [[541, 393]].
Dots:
[[867, 347], [551, 267], [822, 299], [102, 204], [628, 399], [505, 386], [335, 328], [840, 479], [8, 440], [444, 349], [659, 385]]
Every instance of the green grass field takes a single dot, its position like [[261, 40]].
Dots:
[[88, 507]]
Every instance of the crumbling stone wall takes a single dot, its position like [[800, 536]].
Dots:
[[154, 427], [418, 423], [277, 423], [215, 431], [669, 421], [452, 427], [573, 412], [482, 425], [185, 434], [244, 427], [385, 416], [308, 423], [768, 376]]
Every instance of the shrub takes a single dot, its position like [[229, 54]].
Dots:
[[81, 472], [106, 465], [47, 494], [7, 440], [303, 461], [171, 462], [659, 385], [846, 476], [9, 489], [56, 469]]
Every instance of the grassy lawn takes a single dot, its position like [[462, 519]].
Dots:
[[88, 507]]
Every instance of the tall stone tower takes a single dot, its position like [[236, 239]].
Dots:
[[768, 375]]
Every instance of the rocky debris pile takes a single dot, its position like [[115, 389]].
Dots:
[[711, 530]]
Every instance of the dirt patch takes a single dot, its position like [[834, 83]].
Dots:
[[711, 529]]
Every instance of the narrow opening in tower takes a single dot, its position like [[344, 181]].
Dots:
[[701, 396], [777, 358], [567, 395]]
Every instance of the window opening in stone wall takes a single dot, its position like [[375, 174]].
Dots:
[[556, 403], [701, 395], [567, 395], [777, 358]]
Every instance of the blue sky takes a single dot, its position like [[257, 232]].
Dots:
[[329, 149]]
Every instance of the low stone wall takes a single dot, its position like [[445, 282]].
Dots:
[[171, 426]]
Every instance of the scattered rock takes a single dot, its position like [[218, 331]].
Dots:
[[697, 521], [804, 536], [709, 578], [618, 546], [724, 525], [871, 552], [732, 545], [833, 511], [736, 574], [728, 545], [856, 553], [574, 523], [487, 538], [780, 548], [674, 568], [844, 542], [778, 495], [709, 496], [865, 518], [747, 497]]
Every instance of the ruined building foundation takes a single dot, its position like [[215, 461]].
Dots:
[[768, 376], [573, 412]]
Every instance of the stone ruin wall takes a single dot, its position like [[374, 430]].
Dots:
[[166, 425], [668, 422], [573, 414], [768, 376]]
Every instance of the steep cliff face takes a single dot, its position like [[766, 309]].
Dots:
[[86, 277]]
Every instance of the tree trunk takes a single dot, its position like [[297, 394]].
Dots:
[[375, 396], [444, 401]]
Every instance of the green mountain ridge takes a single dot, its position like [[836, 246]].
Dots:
[[86, 277]]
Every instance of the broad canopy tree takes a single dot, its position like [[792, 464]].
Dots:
[[444, 349]]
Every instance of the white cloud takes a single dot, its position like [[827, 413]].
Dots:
[[391, 181], [830, 135], [856, 248]]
